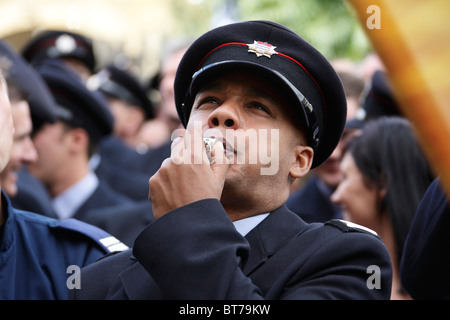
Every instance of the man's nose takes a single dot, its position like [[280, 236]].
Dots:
[[29, 152], [226, 115]]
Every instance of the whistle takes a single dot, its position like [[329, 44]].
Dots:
[[209, 145]]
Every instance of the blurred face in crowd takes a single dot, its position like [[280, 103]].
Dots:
[[241, 103], [6, 125], [330, 171], [168, 110], [359, 200], [23, 151], [127, 118], [52, 143]]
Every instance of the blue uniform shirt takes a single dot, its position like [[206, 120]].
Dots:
[[36, 252]]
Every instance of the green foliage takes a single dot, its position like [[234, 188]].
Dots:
[[329, 25]]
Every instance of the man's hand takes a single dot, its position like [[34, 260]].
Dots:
[[188, 175]]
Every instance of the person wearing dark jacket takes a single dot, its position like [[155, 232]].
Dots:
[[221, 229]]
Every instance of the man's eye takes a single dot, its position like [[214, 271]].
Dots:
[[261, 107], [207, 101]]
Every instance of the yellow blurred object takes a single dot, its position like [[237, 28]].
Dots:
[[412, 37]]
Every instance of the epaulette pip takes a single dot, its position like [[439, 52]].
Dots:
[[347, 226], [108, 242]]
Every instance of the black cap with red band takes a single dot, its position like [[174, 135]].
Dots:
[[59, 44], [283, 57]]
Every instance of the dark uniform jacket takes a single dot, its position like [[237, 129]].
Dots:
[[425, 264], [124, 222], [36, 252], [195, 252], [32, 196], [103, 196]]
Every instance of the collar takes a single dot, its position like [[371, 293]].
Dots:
[[94, 161], [280, 227], [244, 226], [67, 203]]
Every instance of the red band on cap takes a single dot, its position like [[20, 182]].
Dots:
[[222, 45]]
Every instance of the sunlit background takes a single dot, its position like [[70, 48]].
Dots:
[[135, 32]]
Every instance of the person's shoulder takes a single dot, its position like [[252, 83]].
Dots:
[[62, 233], [347, 226], [338, 233], [345, 242], [101, 238]]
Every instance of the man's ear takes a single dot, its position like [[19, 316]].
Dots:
[[79, 139], [303, 161]]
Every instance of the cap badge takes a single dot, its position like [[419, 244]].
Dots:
[[65, 43], [262, 49]]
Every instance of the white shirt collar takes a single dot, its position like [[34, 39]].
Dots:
[[68, 202], [245, 225]]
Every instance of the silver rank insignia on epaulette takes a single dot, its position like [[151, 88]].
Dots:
[[345, 225], [113, 244]]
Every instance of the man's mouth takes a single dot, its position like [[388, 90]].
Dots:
[[227, 147]]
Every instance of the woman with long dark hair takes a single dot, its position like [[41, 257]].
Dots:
[[385, 176]]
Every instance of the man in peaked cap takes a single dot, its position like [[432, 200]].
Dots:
[[29, 193], [65, 147], [221, 229], [74, 49], [130, 107], [36, 251], [378, 101]]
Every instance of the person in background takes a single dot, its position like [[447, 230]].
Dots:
[[37, 253], [425, 262], [130, 108], [75, 54], [23, 151], [75, 50], [65, 147], [385, 176], [28, 194], [166, 116], [127, 100], [311, 201], [161, 85]]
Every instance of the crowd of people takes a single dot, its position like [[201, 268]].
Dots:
[[92, 175]]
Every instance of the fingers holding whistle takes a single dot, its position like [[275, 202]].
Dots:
[[188, 175], [191, 147]]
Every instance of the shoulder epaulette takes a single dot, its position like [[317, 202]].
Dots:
[[108, 242], [347, 226]]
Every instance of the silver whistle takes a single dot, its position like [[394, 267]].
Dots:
[[209, 145]]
